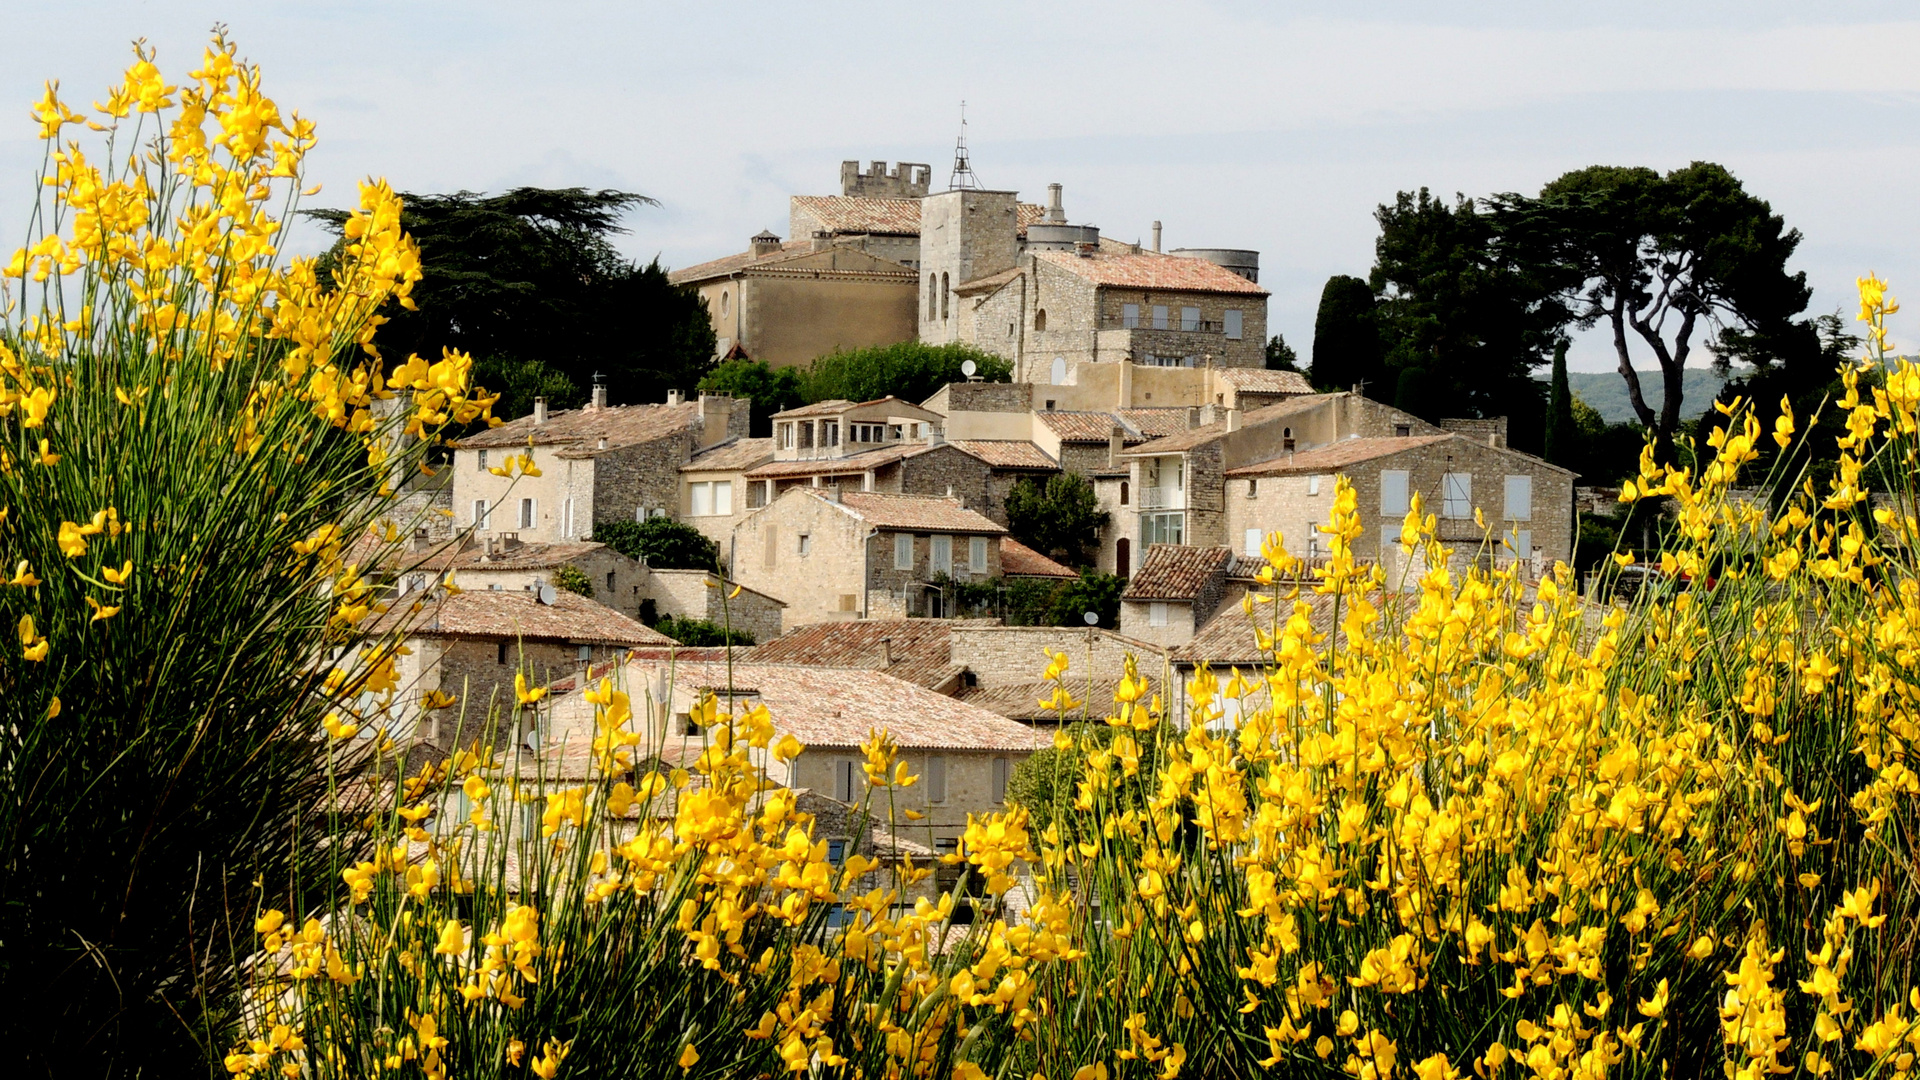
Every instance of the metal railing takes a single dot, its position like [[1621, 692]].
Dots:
[[1162, 498]]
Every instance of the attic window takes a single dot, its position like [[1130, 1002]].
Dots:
[[1402, 431]]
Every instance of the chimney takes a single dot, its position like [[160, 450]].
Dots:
[[716, 415], [1233, 419], [822, 240], [1116, 443], [1084, 249], [539, 411], [603, 443], [886, 653], [674, 398], [1193, 417], [599, 391], [763, 244], [1056, 214], [833, 492], [1156, 236]]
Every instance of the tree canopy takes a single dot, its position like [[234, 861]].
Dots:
[[772, 389], [531, 275], [1280, 355], [911, 370], [1060, 518], [1346, 339], [1657, 259], [661, 543]]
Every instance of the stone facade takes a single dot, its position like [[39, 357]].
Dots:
[[786, 303], [1012, 655], [618, 582], [688, 594], [969, 785], [964, 235]]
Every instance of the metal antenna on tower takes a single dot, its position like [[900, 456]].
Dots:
[[962, 177]]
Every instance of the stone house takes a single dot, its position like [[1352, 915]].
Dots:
[[963, 755], [715, 494], [786, 303], [471, 644], [696, 594], [1017, 560], [841, 555], [1175, 591], [919, 651], [596, 463]]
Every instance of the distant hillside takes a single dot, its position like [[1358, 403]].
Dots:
[[1606, 392]]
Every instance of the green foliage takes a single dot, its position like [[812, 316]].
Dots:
[[1657, 258], [1280, 355], [1060, 518], [518, 382], [1095, 592], [772, 389], [662, 543], [574, 580], [531, 275], [1037, 601], [910, 370], [701, 633], [1561, 432], [1346, 339]]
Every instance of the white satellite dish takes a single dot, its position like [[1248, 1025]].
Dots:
[[968, 367], [1092, 617], [544, 593]]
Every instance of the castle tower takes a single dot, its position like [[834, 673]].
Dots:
[[964, 234]]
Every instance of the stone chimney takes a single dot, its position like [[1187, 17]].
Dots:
[[833, 492], [821, 240], [1193, 417], [539, 411], [716, 414], [763, 244], [1056, 213], [886, 653], [599, 391], [1116, 443], [1233, 419], [1156, 236], [674, 398]]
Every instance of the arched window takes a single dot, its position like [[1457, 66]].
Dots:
[[1040, 319], [1123, 496], [1059, 372], [724, 304], [1122, 557], [1286, 438], [933, 296], [944, 294]]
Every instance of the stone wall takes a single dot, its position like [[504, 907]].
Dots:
[[963, 235], [1006, 655], [618, 581], [472, 670], [903, 591], [1123, 523], [822, 585], [685, 593], [1136, 621], [969, 786], [791, 318]]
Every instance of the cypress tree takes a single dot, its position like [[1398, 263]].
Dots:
[[1560, 431]]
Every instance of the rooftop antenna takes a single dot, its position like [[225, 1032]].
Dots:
[[962, 177]]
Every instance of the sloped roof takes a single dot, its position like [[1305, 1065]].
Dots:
[[1336, 455], [1228, 637], [842, 707], [1175, 572], [833, 261], [837, 406], [620, 425], [1263, 381], [470, 554], [1019, 560], [1008, 453], [989, 282], [1206, 433], [1078, 426], [1021, 701], [1157, 422], [512, 613], [728, 264], [922, 649], [1151, 270], [882, 215], [720, 583], [852, 463], [734, 455], [919, 513]]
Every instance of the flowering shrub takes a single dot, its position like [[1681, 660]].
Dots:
[[190, 432]]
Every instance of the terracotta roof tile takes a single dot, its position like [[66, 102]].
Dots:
[[734, 455], [988, 283], [1008, 453], [836, 406], [842, 707], [620, 425], [469, 554], [1151, 270], [510, 613], [1158, 422], [1019, 560], [919, 513], [1084, 427], [1335, 456], [841, 466], [862, 213], [1263, 381], [1021, 701], [922, 649], [1206, 433], [1175, 572], [740, 261]]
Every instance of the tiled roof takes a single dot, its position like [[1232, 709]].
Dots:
[[1263, 381], [740, 261], [1019, 560], [988, 283], [471, 555], [842, 707], [829, 407], [495, 613], [1084, 426], [1206, 433], [1021, 701], [1151, 270], [841, 466], [1008, 453], [734, 455], [620, 425], [1157, 422], [836, 406], [922, 649], [1175, 572], [1335, 456], [727, 584], [919, 513], [862, 213]]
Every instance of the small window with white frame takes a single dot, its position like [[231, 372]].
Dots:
[[1189, 318], [1394, 497], [941, 554], [806, 544], [700, 499], [936, 775], [1002, 771], [1253, 487], [482, 515], [483, 461], [1157, 613], [1253, 540], [1130, 316], [1313, 485], [1159, 316], [529, 513]]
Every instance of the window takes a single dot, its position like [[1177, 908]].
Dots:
[[941, 556], [529, 513], [977, 555], [1235, 324], [1254, 537], [723, 303], [1189, 318], [586, 654], [1313, 485], [1163, 528], [1130, 315], [936, 779], [902, 551], [806, 436], [1122, 557], [483, 461], [481, 515], [786, 436], [1040, 320], [1001, 769], [1286, 439], [806, 543], [501, 655], [1523, 544], [610, 581], [945, 293], [837, 852], [1456, 495], [1157, 613], [1402, 431], [1159, 316], [1058, 374], [1253, 487], [933, 297], [639, 513], [1520, 499], [723, 497], [566, 519], [844, 774], [701, 501], [1393, 492], [830, 433], [1123, 493]]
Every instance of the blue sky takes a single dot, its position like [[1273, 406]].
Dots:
[[1268, 126]]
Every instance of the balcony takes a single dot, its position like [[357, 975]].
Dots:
[[1162, 498], [1111, 321]]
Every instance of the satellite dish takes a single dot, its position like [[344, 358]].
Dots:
[[545, 594], [1092, 617], [968, 367]]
